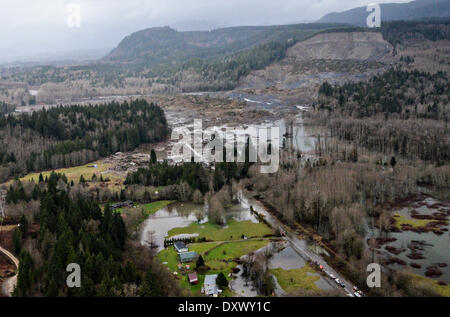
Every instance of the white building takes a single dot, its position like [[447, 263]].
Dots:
[[210, 287]]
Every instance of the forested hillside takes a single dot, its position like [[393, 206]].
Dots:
[[397, 32], [74, 229], [76, 135], [216, 60]]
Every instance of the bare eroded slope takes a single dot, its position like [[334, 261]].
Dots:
[[332, 57]]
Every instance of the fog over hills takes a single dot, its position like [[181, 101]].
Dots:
[[30, 29]]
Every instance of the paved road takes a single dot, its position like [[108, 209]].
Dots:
[[300, 246], [9, 284]]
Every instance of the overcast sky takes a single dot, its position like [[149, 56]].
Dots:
[[30, 27]]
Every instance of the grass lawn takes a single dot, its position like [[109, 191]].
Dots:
[[146, 209], [114, 184], [74, 173], [150, 208], [233, 250], [202, 248], [217, 266], [443, 290], [214, 257], [415, 223], [170, 256], [233, 231], [292, 280]]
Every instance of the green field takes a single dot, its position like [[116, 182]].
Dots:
[[150, 208], [415, 223], [233, 231], [114, 184], [146, 209], [443, 290], [214, 258], [233, 250], [202, 248], [292, 280]]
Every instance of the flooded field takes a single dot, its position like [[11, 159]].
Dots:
[[180, 215], [421, 244], [292, 134], [176, 215]]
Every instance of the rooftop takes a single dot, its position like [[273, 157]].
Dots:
[[179, 245], [188, 255], [210, 279]]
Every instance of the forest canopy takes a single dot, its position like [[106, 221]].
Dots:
[[75, 135]]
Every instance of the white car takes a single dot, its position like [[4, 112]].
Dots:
[[332, 276], [357, 294], [338, 281], [350, 295]]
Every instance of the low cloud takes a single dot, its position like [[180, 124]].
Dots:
[[40, 25]]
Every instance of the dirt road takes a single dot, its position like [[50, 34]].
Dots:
[[9, 284]]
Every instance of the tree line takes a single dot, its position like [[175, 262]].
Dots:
[[75, 135], [79, 231]]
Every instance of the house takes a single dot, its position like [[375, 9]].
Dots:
[[180, 247], [127, 204], [193, 279], [188, 257], [210, 287]]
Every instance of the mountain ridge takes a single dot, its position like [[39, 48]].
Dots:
[[414, 10]]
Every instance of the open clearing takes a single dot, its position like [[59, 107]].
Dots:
[[233, 231], [217, 256], [234, 250], [443, 290], [292, 280], [112, 182]]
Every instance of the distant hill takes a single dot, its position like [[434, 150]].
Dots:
[[415, 10], [216, 60], [161, 45], [219, 57]]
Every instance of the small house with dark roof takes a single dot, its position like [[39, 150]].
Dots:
[[180, 247]]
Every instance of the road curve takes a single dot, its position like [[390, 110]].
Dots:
[[10, 283]]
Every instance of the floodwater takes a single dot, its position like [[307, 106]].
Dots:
[[286, 259], [435, 248], [178, 215], [292, 133]]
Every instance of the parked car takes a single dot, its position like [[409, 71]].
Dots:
[[332, 276], [357, 294], [338, 281]]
